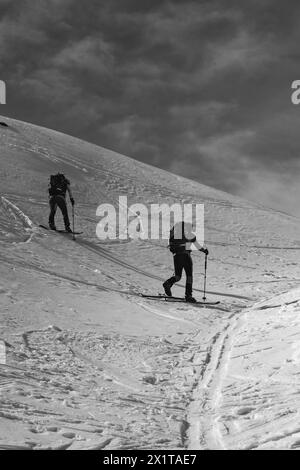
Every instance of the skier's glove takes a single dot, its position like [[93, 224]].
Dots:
[[72, 201], [205, 251]]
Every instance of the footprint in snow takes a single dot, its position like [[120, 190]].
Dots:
[[69, 435], [245, 410]]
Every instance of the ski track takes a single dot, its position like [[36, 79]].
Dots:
[[204, 432], [105, 254], [224, 413]]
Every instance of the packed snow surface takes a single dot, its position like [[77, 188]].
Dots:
[[86, 363]]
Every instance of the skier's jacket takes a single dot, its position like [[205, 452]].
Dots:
[[178, 239], [58, 185]]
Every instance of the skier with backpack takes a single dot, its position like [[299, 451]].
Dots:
[[58, 187], [180, 241]]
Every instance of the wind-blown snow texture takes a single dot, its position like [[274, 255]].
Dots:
[[91, 365]]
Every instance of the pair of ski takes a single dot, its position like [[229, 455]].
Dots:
[[60, 231], [177, 299]]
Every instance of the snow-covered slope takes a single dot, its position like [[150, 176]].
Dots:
[[89, 363]]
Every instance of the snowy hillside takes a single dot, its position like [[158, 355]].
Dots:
[[86, 363]]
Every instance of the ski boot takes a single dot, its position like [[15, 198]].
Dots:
[[52, 227], [190, 298], [167, 289], [69, 230]]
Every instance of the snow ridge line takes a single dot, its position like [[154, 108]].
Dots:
[[161, 314], [205, 427], [27, 222]]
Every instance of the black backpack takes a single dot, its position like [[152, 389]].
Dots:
[[176, 245], [58, 185]]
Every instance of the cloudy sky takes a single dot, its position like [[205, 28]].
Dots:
[[201, 88]]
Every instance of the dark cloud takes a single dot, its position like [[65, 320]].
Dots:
[[198, 87]]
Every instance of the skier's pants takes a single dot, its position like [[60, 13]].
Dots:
[[58, 201], [183, 261]]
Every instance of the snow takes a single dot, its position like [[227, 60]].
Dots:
[[86, 363]]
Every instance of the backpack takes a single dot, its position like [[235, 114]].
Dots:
[[176, 245], [58, 185]]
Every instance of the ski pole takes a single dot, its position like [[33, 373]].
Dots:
[[73, 219], [205, 269]]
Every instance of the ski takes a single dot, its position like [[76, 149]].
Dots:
[[60, 231], [177, 299]]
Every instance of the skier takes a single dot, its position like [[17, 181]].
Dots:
[[181, 239], [58, 187]]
